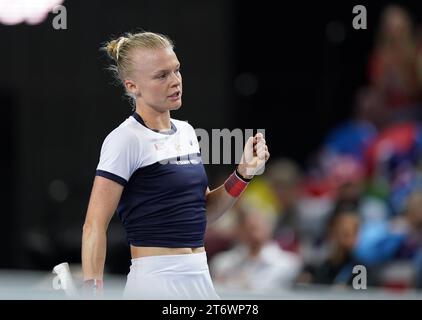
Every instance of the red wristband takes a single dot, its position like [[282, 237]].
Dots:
[[235, 185]]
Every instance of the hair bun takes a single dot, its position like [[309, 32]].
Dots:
[[113, 47]]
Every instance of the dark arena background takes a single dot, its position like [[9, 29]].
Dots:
[[337, 213]]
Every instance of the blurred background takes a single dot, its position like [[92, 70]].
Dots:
[[341, 109]]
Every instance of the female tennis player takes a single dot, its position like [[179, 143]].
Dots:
[[150, 172]]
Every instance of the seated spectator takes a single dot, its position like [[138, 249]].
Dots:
[[256, 262], [337, 267]]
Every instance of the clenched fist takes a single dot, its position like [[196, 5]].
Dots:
[[254, 156]]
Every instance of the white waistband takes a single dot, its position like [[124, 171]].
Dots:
[[180, 263]]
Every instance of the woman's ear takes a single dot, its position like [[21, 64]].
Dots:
[[132, 88]]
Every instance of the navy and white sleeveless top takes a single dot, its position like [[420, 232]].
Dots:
[[163, 200]]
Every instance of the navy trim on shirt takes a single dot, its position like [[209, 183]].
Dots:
[[141, 121], [111, 176]]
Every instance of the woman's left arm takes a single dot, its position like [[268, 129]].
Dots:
[[221, 199]]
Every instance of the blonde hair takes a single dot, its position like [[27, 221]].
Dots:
[[120, 50]]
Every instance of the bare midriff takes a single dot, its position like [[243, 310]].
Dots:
[[138, 252]]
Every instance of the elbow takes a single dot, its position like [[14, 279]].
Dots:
[[90, 227], [87, 229]]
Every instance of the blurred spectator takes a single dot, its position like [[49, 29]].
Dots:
[[398, 240], [393, 159], [393, 64], [419, 52], [341, 237], [256, 262], [344, 180], [348, 180], [219, 235], [413, 219], [353, 136], [285, 177]]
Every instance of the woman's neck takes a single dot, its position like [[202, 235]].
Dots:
[[153, 119]]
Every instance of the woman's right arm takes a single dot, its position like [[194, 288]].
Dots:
[[103, 202]]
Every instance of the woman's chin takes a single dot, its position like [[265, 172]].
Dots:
[[176, 106]]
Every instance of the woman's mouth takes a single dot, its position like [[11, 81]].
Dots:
[[175, 96]]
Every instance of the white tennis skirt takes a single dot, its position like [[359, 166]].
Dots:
[[182, 276]]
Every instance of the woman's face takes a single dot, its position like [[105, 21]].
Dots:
[[396, 24], [345, 230], [155, 79]]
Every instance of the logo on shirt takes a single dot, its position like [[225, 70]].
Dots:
[[193, 158]]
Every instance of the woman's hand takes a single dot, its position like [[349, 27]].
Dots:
[[255, 154]]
